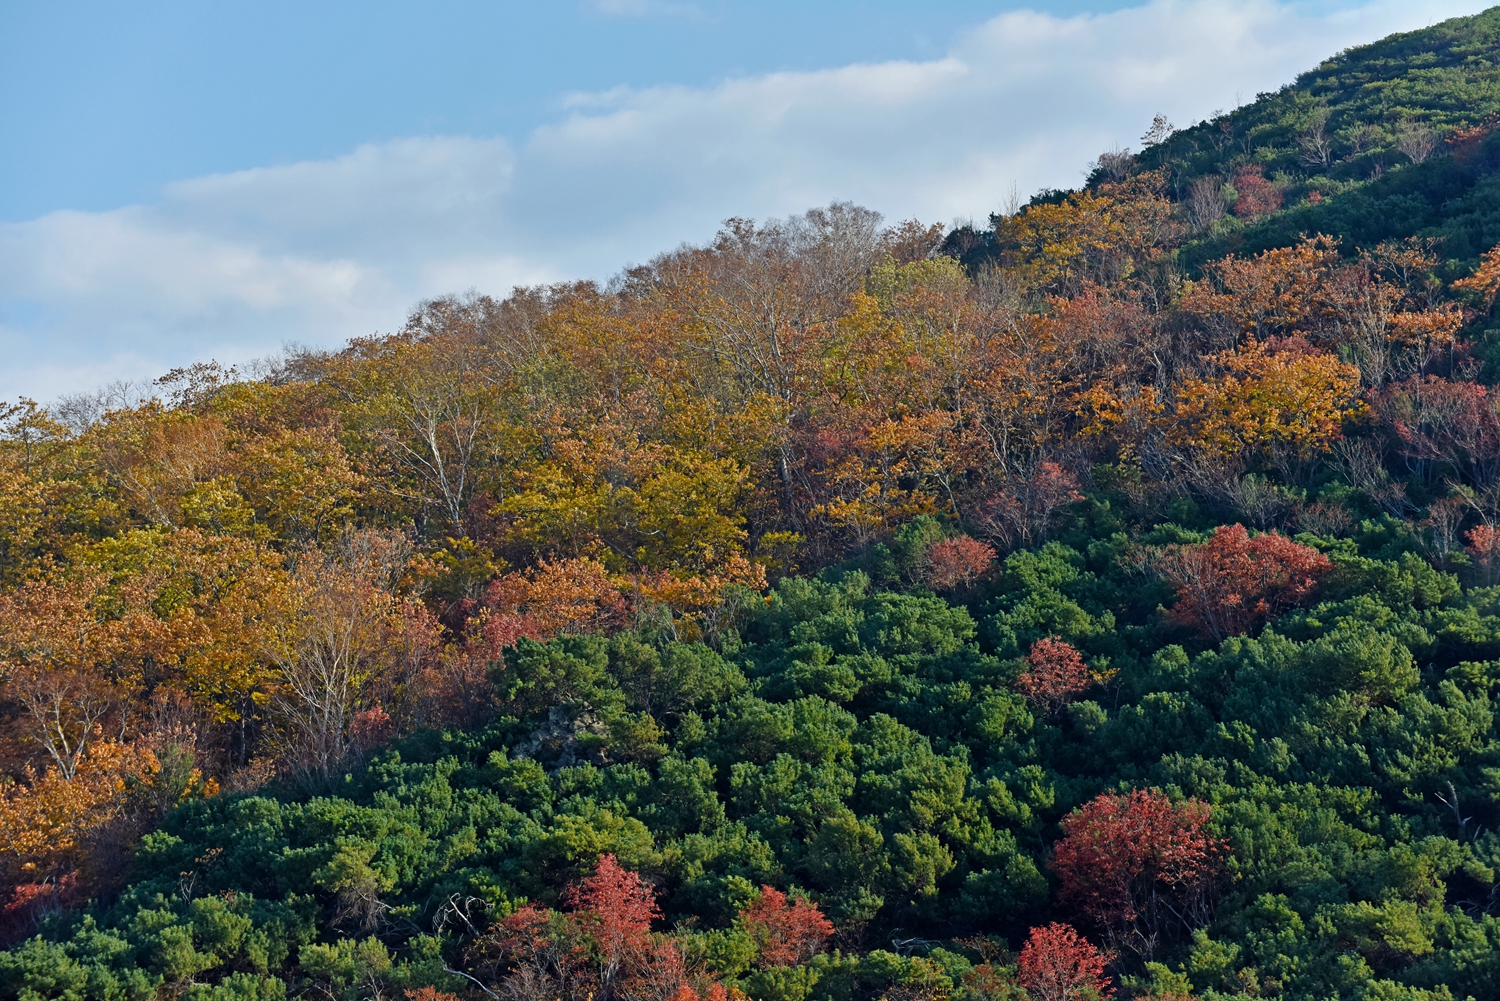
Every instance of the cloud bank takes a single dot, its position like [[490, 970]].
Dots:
[[232, 266]]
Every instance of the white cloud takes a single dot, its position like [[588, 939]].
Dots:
[[233, 265]]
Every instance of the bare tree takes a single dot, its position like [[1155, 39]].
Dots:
[[1114, 163], [1206, 202], [1160, 131], [80, 411], [837, 246], [1416, 139], [1313, 145], [429, 398], [331, 648]]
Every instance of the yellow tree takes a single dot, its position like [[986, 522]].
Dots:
[[298, 485], [155, 456], [1289, 402], [1101, 236], [220, 593], [426, 404]]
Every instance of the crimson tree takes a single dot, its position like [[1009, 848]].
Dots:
[[1138, 864]]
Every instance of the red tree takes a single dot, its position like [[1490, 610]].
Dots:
[[1058, 964], [1138, 864], [1232, 582], [541, 952], [954, 563], [785, 933], [615, 907], [604, 949], [1256, 195], [1055, 673]]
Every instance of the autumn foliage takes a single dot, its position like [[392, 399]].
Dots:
[[1231, 583], [1138, 866], [1284, 399], [785, 933], [629, 562], [1055, 674], [1483, 544], [950, 564], [1256, 196], [1058, 964], [602, 948]]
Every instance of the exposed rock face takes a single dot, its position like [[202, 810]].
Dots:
[[565, 740]]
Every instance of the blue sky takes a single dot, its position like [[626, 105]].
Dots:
[[104, 103], [183, 180]]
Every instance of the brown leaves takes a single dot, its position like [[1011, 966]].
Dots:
[[554, 597], [1255, 196], [1452, 422], [951, 564], [1276, 293], [74, 649]]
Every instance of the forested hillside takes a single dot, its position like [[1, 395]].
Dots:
[[1103, 604]]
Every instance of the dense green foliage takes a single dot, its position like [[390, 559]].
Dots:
[[866, 745], [1446, 75]]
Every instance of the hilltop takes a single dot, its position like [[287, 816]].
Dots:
[[1384, 141]]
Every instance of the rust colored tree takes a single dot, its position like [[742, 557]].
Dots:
[[1058, 964], [785, 933], [604, 949], [951, 564], [1483, 545], [1445, 426], [1138, 866], [1055, 674], [1256, 196], [1232, 582], [534, 954], [615, 908]]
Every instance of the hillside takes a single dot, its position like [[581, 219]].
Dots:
[[1105, 604], [1384, 141]]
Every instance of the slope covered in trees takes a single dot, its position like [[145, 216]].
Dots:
[[1383, 141], [1102, 605]]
